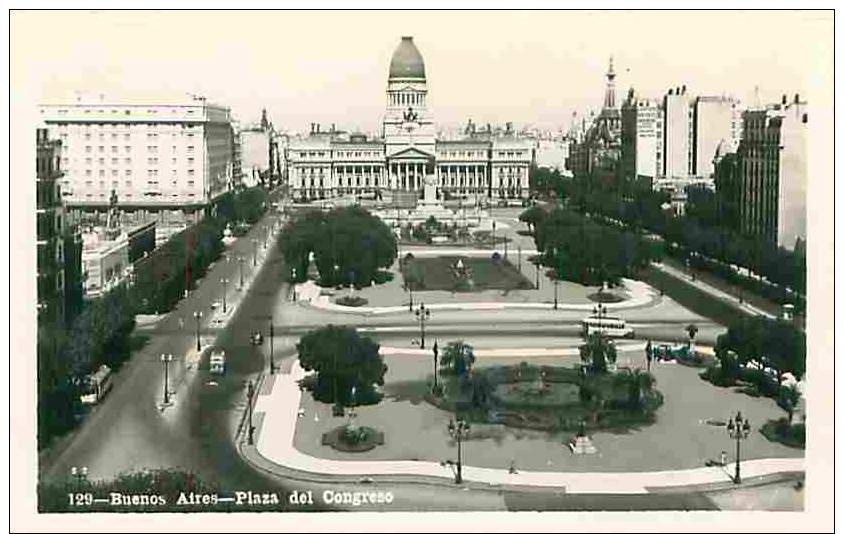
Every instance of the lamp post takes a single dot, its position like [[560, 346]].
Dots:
[[79, 474], [738, 429], [254, 252], [493, 234], [600, 311], [166, 359], [520, 258], [272, 360], [556, 277], [293, 279], [436, 353], [409, 287], [250, 393], [459, 431], [537, 273], [225, 282], [197, 315], [422, 314], [240, 261]]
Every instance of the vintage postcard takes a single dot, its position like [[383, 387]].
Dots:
[[398, 264]]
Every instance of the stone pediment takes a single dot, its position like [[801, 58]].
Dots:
[[411, 153]]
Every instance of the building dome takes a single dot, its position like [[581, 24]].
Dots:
[[407, 61]]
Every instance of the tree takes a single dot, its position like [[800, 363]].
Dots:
[[532, 217], [342, 360], [597, 352], [413, 275], [349, 245], [640, 385], [458, 358], [788, 400]]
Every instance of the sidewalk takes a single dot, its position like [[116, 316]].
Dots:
[[640, 295], [717, 293], [278, 411]]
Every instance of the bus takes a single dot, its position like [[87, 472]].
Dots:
[[97, 385], [217, 362], [606, 325]]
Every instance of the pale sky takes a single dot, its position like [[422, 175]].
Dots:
[[532, 68]]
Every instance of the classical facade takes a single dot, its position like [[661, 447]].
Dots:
[[326, 164]]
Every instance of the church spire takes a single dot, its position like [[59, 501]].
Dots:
[[609, 96]]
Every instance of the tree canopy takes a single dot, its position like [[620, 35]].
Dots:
[[584, 251], [348, 366], [349, 245], [597, 353]]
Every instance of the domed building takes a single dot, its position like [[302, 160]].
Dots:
[[483, 164]]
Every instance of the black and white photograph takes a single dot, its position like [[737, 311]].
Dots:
[[356, 265]]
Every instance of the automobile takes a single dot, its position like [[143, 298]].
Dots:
[[216, 304], [217, 362], [257, 338]]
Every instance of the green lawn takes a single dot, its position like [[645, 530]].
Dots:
[[437, 274]]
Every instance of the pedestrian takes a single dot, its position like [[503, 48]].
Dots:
[[723, 458], [181, 324], [513, 467]]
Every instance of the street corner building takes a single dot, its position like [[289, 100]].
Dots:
[[483, 163]]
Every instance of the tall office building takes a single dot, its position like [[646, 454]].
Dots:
[[766, 179], [716, 119], [49, 228], [641, 137], [157, 156], [677, 134]]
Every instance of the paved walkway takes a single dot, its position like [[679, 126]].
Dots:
[[278, 412], [641, 294], [715, 292]]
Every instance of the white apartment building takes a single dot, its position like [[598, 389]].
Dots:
[[326, 164], [716, 119], [156, 156], [678, 134], [641, 137]]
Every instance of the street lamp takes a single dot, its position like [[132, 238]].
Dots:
[[520, 258], [293, 279], [254, 252], [250, 393], [738, 429], [459, 431], [422, 314], [272, 360], [79, 474], [336, 273], [493, 234], [537, 273], [225, 282], [556, 277], [197, 315], [166, 359], [240, 261], [436, 353], [600, 311]]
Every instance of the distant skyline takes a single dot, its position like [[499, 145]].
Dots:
[[530, 68]]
